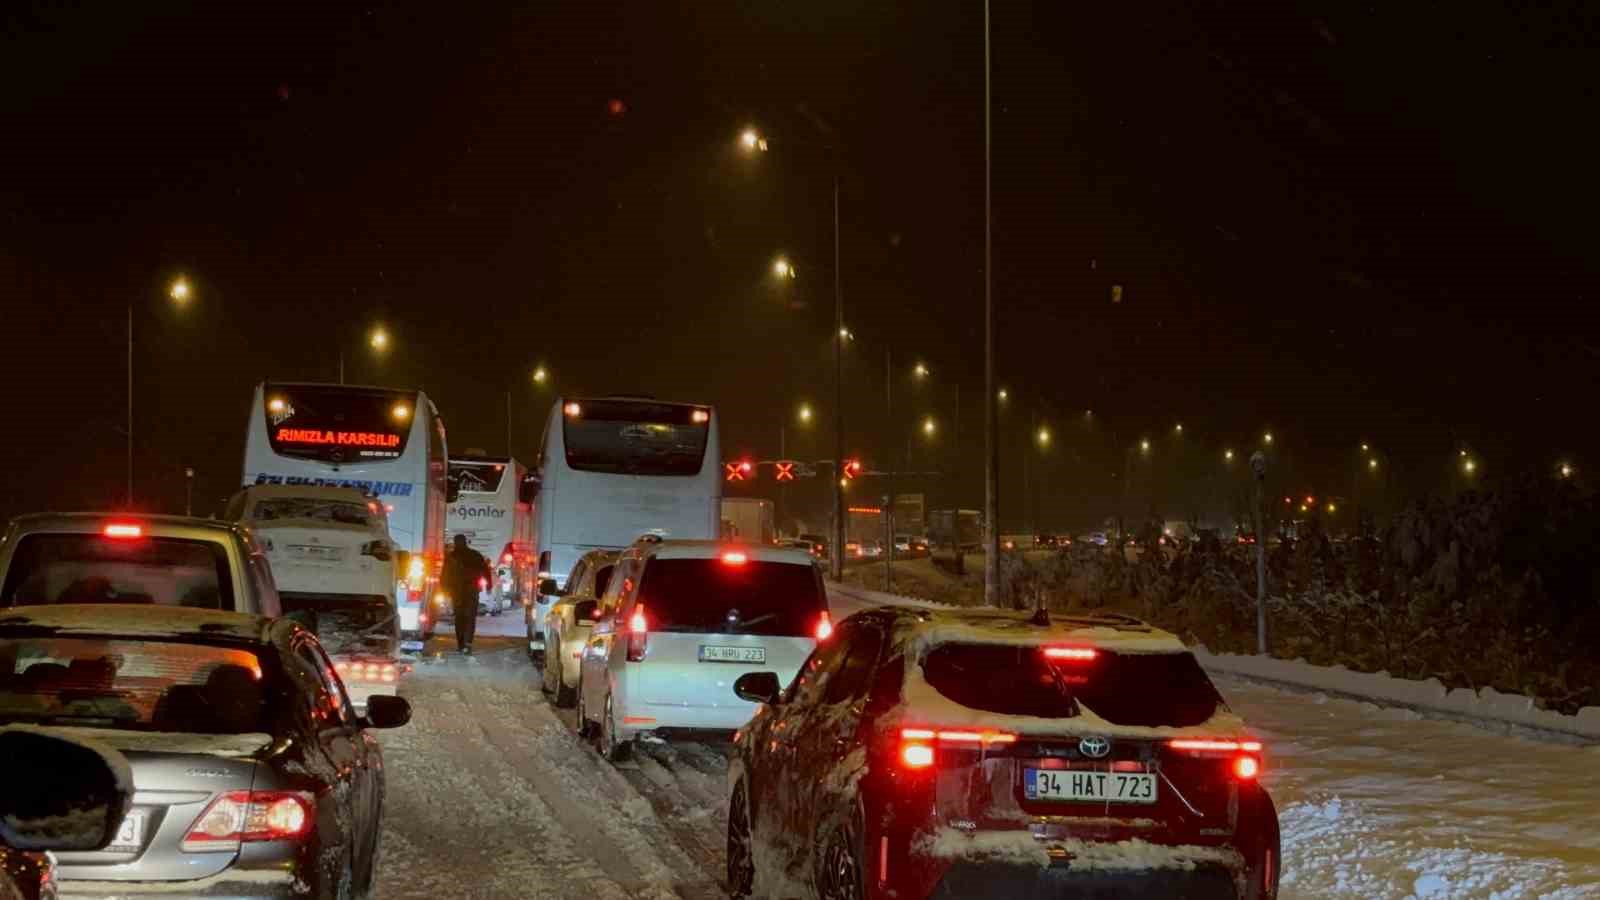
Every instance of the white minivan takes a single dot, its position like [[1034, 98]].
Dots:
[[679, 622]]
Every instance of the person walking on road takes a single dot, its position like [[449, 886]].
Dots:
[[463, 567]]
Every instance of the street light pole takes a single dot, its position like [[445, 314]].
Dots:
[[991, 500], [888, 511], [836, 558], [130, 405]]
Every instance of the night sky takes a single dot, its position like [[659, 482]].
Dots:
[[1344, 222]]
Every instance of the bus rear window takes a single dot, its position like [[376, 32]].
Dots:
[[714, 597], [1136, 689], [477, 478], [334, 424], [634, 437], [88, 568]]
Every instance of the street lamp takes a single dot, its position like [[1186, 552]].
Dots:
[[379, 339], [1267, 438], [751, 141], [179, 292], [1002, 395], [804, 414], [1044, 436], [1365, 448], [782, 268], [1372, 465], [929, 426], [1178, 429], [846, 334], [1468, 464], [1565, 469], [921, 370], [1227, 456], [541, 375], [1144, 445]]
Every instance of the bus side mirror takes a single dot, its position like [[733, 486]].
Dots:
[[528, 491]]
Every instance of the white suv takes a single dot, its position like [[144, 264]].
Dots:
[[679, 623]]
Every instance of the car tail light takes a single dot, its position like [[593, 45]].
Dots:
[[483, 584], [700, 416], [638, 634], [824, 626], [917, 745], [416, 571], [735, 558], [367, 670], [572, 410], [244, 816], [378, 550], [1071, 654], [124, 530], [1244, 753], [506, 558]]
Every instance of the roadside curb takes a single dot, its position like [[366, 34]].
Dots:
[[1484, 708]]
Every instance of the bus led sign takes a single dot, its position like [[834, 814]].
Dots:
[[321, 437]]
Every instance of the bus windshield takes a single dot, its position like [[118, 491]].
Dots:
[[634, 437], [338, 424], [477, 477]]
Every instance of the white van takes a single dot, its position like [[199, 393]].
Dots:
[[334, 564], [679, 622]]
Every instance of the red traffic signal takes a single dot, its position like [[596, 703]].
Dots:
[[784, 470], [852, 468], [738, 471]]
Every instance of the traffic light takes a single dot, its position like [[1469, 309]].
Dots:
[[738, 471], [784, 470], [852, 468]]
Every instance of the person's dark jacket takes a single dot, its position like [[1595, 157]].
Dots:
[[462, 569]]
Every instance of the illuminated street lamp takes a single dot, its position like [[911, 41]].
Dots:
[[379, 339], [921, 370], [1267, 439], [1468, 464], [782, 268], [1144, 445], [1365, 448], [1178, 429], [1565, 470], [180, 291], [541, 375], [751, 141], [1002, 395], [1227, 456], [804, 414], [1372, 465], [847, 334], [1044, 437], [929, 426]]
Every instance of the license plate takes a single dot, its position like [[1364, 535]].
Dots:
[[733, 654], [415, 646], [311, 551], [1088, 786], [131, 835]]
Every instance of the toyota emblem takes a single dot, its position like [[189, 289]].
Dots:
[[1094, 747]]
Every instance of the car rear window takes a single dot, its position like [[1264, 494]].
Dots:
[[90, 568], [137, 685], [1140, 689], [713, 596]]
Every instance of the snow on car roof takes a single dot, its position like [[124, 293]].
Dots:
[[93, 521], [924, 630], [309, 491], [716, 549], [1122, 634], [137, 621]]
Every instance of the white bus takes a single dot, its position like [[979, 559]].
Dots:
[[613, 469], [388, 442], [494, 509]]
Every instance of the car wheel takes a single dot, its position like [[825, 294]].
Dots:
[[585, 730], [547, 684], [609, 746], [565, 696], [741, 848], [838, 869]]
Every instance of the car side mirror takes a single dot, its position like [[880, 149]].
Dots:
[[547, 586], [387, 711], [586, 611], [759, 687], [59, 794]]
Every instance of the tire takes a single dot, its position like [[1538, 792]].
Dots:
[[338, 883], [585, 730], [367, 887], [741, 847], [565, 696], [838, 874], [606, 736]]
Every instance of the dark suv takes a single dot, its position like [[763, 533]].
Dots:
[[926, 753]]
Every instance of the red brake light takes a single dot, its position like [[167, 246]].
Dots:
[[700, 416], [734, 558], [123, 530], [638, 634], [1212, 745], [241, 816], [1073, 654], [572, 410], [916, 756], [1246, 768], [506, 559], [824, 626]]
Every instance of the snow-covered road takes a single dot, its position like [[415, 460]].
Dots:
[[492, 794]]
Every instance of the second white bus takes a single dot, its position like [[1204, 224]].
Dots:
[[612, 469]]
